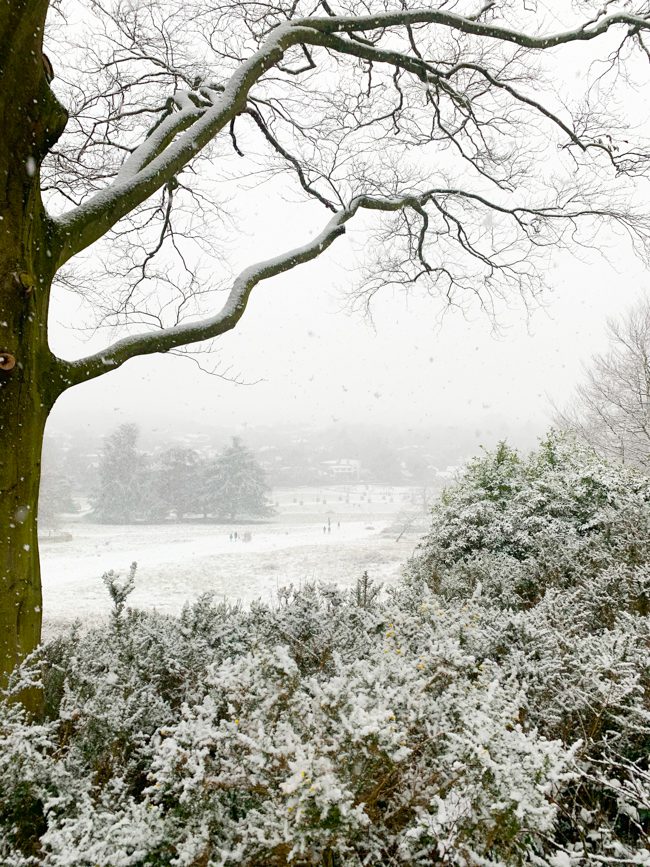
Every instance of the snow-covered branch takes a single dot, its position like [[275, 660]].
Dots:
[[166, 339], [162, 135], [472, 26], [72, 373], [164, 153], [527, 226], [194, 119]]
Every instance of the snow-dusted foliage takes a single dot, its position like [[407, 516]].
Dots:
[[235, 484], [540, 565], [331, 729], [450, 722], [515, 526]]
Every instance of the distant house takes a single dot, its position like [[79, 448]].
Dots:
[[345, 469]]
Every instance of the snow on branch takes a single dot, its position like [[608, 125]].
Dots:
[[527, 223], [470, 25], [164, 153], [171, 338], [194, 119], [161, 135]]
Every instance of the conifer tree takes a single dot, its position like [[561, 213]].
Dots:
[[119, 498], [55, 497], [236, 484], [177, 481]]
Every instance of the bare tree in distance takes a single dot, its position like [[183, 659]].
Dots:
[[437, 128], [611, 407]]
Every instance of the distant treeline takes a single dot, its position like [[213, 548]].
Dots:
[[177, 483], [290, 456]]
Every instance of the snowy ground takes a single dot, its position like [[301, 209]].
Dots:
[[177, 562]]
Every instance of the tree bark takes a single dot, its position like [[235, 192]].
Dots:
[[22, 422], [31, 120], [28, 388]]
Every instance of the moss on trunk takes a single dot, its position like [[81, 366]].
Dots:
[[31, 119], [20, 585]]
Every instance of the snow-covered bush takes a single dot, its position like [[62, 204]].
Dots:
[[331, 729], [399, 757], [514, 526], [541, 565], [491, 710]]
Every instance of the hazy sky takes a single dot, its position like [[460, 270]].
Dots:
[[319, 363]]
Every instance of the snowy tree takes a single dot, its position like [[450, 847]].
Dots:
[[55, 497], [120, 496], [178, 480], [439, 129], [235, 484], [611, 408]]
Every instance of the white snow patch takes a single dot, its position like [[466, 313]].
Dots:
[[178, 562]]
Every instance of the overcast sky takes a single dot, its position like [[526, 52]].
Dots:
[[311, 361], [316, 362]]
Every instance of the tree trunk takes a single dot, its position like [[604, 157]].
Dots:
[[22, 421], [31, 119], [28, 389]]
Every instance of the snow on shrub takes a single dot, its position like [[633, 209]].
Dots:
[[491, 710], [514, 526], [398, 757], [326, 730], [541, 565]]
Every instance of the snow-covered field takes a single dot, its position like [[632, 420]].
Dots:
[[177, 562]]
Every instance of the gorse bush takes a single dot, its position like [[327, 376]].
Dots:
[[317, 732], [456, 720], [515, 526], [545, 562]]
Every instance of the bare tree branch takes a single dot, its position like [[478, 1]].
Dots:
[[611, 407], [158, 159], [410, 17], [527, 220], [193, 118]]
